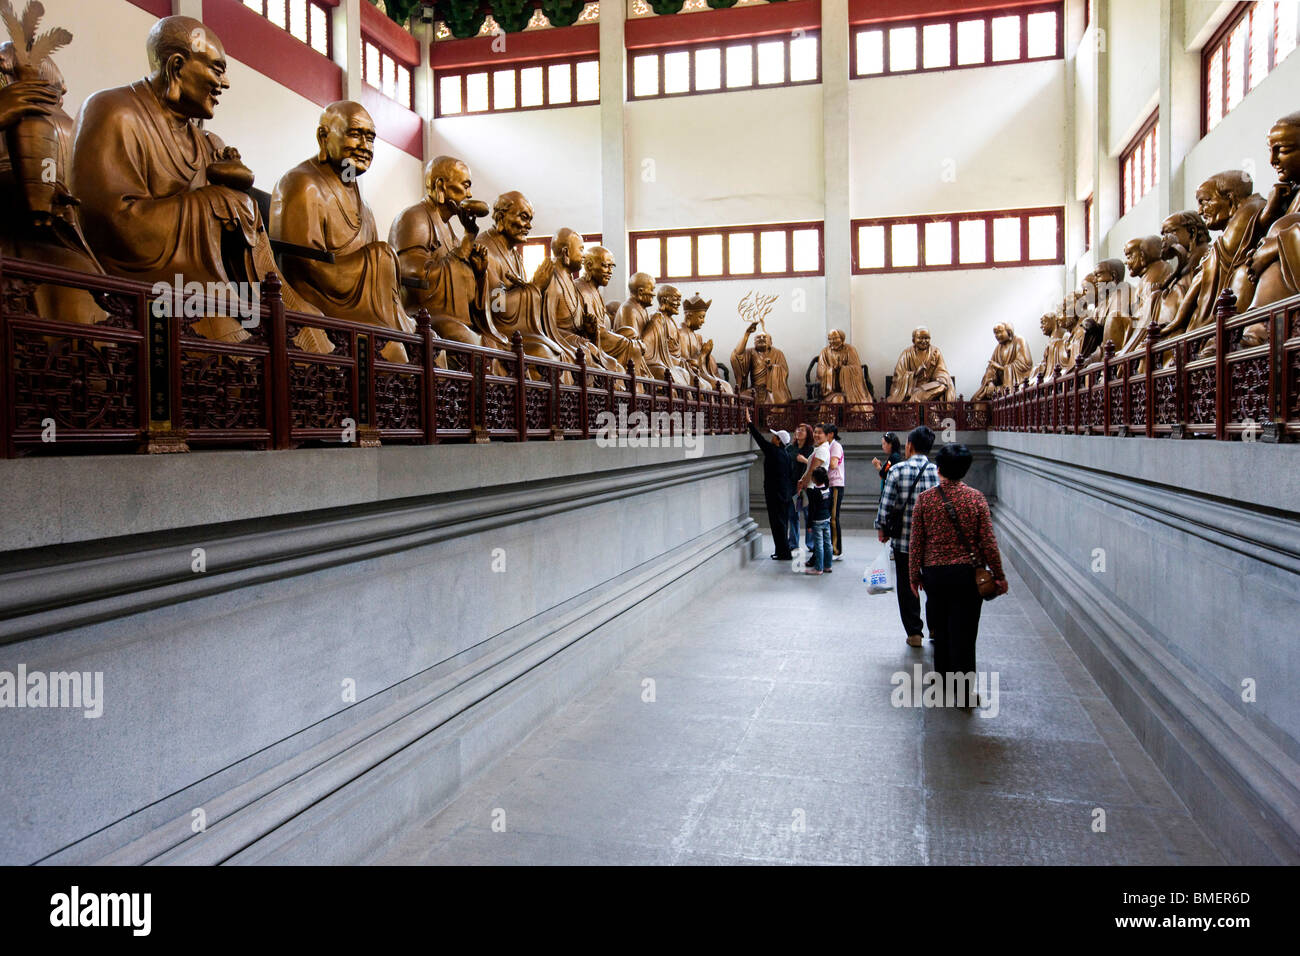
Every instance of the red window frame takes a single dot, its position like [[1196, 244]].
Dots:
[[263, 7], [1139, 170], [692, 49], [369, 41], [988, 217], [1087, 223], [1219, 48], [951, 20], [572, 60], [789, 272]]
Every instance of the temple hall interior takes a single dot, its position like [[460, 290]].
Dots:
[[423, 420]]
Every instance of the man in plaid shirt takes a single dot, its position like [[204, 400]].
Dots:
[[904, 482]]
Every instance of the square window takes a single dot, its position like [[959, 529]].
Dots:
[[530, 86], [647, 256], [448, 95], [970, 42], [503, 89], [771, 247], [870, 49], [871, 247], [645, 75], [1042, 238], [476, 92], [971, 241], [740, 253], [771, 62], [938, 243], [804, 54], [936, 46], [740, 66], [588, 81], [904, 245], [559, 82], [1006, 239], [1042, 34], [1006, 38], [807, 250], [677, 72], [902, 49], [679, 256], [708, 69], [709, 251], [533, 253]]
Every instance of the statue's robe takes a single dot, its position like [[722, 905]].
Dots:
[[1114, 314], [1072, 345], [513, 304], [1053, 354], [562, 312], [662, 349], [765, 375], [1009, 365], [1226, 265], [312, 206], [1150, 304], [630, 318], [594, 324], [1282, 278], [922, 377], [150, 213], [840, 373], [427, 249], [690, 346]]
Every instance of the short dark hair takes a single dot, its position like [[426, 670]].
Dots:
[[819, 426], [831, 429], [892, 441], [819, 476], [922, 439], [953, 460]]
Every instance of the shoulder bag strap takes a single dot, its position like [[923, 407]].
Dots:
[[956, 523]]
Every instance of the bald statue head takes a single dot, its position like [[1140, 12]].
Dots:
[[346, 137], [187, 66], [1003, 332], [835, 339], [1140, 253], [1284, 148], [1048, 323], [598, 266], [1183, 230], [512, 213], [1220, 196], [566, 248], [642, 287], [669, 299], [921, 338]]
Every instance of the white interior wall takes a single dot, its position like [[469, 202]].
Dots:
[[1131, 46]]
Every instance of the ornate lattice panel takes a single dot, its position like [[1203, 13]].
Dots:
[[397, 400], [499, 406], [1166, 393], [79, 382], [220, 391], [570, 411], [453, 400], [1249, 390], [1201, 394], [320, 395], [537, 405]]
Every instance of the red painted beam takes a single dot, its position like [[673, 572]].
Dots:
[[531, 45], [394, 123], [397, 41], [159, 8], [723, 24], [874, 11], [252, 39]]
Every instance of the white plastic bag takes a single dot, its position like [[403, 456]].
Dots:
[[879, 575]]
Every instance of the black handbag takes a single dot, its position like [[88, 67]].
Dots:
[[894, 516], [984, 581]]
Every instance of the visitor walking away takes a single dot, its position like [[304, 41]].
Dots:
[[904, 481]]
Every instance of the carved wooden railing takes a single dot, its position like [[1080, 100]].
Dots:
[[1200, 383], [140, 380], [900, 417]]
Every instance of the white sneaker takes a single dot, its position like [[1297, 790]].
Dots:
[[838, 557]]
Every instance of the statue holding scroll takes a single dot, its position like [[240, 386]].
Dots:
[[1276, 261], [762, 372], [1227, 201], [597, 323], [1008, 366], [441, 260], [696, 351], [160, 196], [921, 375], [839, 370], [318, 204]]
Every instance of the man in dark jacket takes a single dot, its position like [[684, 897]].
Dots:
[[778, 484]]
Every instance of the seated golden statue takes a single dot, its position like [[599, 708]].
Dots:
[[160, 196], [696, 352], [1075, 311], [1186, 240], [839, 370], [659, 336], [1143, 258], [562, 316], [920, 374], [761, 372], [1227, 201], [1009, 364], [1110, 301], [1054, 351], [597, 269], [634, 313], [1276, 261], [431, 252], [318, 204], [513, 302], [38, 217]]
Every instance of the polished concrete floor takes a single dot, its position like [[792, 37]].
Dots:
[[758, 728]]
